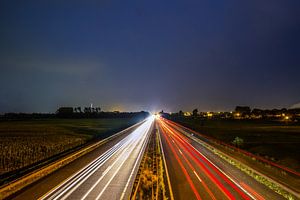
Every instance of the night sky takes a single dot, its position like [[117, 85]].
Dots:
[[149, 55]]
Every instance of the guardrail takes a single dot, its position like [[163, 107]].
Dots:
[[152, 169], [20, 183], [260, 177], [286, 169]]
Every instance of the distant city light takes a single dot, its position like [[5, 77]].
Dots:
[[209, 114], [187, 114], [156, 116], [286, 117]]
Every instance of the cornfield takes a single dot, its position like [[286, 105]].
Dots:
[[24, 145]]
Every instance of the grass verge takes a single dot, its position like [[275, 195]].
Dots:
[[278, 188], [150, 182]]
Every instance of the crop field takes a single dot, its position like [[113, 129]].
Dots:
[[276, 141], [23, 143]]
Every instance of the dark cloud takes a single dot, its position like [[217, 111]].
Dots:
[[149, 55]]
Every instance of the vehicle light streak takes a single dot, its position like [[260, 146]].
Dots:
[[233, 147], [207, 172], [84, 177], [84, 173], [122, 149], [132, 171], [199, 178], [127, 153], [258, 196], [194, 170], [233, 183], [195, 153], [180, 152], [183, 169]]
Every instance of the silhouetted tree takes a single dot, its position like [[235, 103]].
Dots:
[[195, 112], [65, 112], [243, 110], [256, 111], [98, 109], [87, 110], [180, 113], [238, 142]]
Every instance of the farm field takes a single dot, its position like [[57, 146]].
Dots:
[[24, 143], [275, 141]]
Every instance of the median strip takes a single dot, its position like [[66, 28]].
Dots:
[[152, 178]]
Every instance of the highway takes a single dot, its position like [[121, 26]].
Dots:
[[109, 175], [197, 173]]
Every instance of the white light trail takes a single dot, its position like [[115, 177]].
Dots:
[[122, 149]]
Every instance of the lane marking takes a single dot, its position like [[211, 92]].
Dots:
[[251, 196], [107, 169], [197, 176], [102, 142], [132, 146], [165, 163], [79, 175], [231, 179], [205, 169], [188, 178], [103, 174], [86, 172], [117, 170], [180, 151], [135, 165], [91, 168], [258, 196], [75, 185], [193, 169]]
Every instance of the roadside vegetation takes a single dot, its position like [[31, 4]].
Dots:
[[275, 141], [273, 134], [249, 171], [150, 182], [259, 168], [24, 143]]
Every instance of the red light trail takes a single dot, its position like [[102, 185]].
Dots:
[[201, 163]]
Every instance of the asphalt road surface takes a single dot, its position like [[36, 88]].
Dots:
[[109, 175], [197, 173]]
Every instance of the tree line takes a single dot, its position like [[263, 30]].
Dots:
[[74, 112], [242, 112]]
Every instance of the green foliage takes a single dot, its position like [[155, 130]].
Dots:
[[195, 112], [151, 178], [273, 139], [239, 142]]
